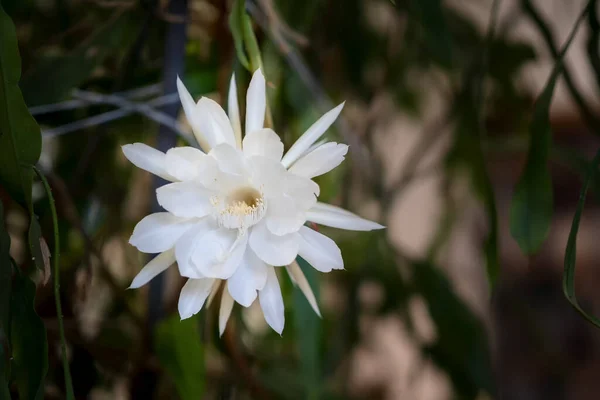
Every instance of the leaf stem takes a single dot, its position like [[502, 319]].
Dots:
[[56, 264]]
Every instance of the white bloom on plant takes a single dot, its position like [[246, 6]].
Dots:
[[239, 210]]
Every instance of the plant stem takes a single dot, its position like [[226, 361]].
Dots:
[[56, 265]]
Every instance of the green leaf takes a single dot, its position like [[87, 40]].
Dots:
[[20, 138], [181, 354], [236, 25], [29, 343], [5, 290], [430, 15], [308, 328], [571, 250], [462, 347], [531, 208]]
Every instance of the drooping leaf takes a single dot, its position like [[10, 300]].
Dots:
[[308, 328], [236, 25], [5, 290], [20, 138], [531, 208], [571, 250], [462, 347], [29, 343], [181, 354]]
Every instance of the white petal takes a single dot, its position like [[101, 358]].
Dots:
[[250, 276], [263, 142], [319, 251], [256, 103], [219, 253], [283, 216], [186, 247], [303, 190], [229, 159], [147, 158], [213, 292], [271, 302], [328, 215], [214, 122], [157, 265], [311, 135], [225, 310], [233, 111], [267, 174], [189, 163], [185, 199], [299, 279], [158, 232], [320, 161], [193, 117], [272, 249], [193, 295]]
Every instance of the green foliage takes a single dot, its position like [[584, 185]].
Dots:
[[571, 251], [246, 45], [29, 343], [5, 291], [531, 209], [430, 16], [308, 334], [181, 354]]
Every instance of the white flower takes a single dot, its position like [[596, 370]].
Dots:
[[237, 211]]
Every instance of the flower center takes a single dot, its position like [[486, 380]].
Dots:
[[241, 208]]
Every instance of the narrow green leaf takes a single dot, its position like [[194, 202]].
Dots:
[[308, 327], [181, 354], [571, 250], [5, 290], [20, 138], [236, 24], [531, 208], [462, 347], [29, 343]]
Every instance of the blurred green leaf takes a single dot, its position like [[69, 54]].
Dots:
[[308, 328], [53, 78], [430, 15], [36, 241], [571, 250], [29, 343], [181, 354], [236, 25], [20, 138], [5, 290], [531, 208], [462, 347]]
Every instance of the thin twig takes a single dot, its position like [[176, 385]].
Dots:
[[61, 328]]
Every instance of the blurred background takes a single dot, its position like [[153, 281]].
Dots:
[[412, 316]]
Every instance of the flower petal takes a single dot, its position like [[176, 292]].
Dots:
[[214, 122], [225, 310], [192, 115], [272, 249], [267, 174], [158, 232], [283, 216], [157, 265], [193, 295], [229, 159], [147, 158], [186, 247], [256, 103], [328, 215], [299, 279], [319, 251], [233, 111], [185, 199], [263, 142], [189, 163], [311, 135], [250, 276], [303, 190], [320, 161], [271, 302], [219, 252]]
